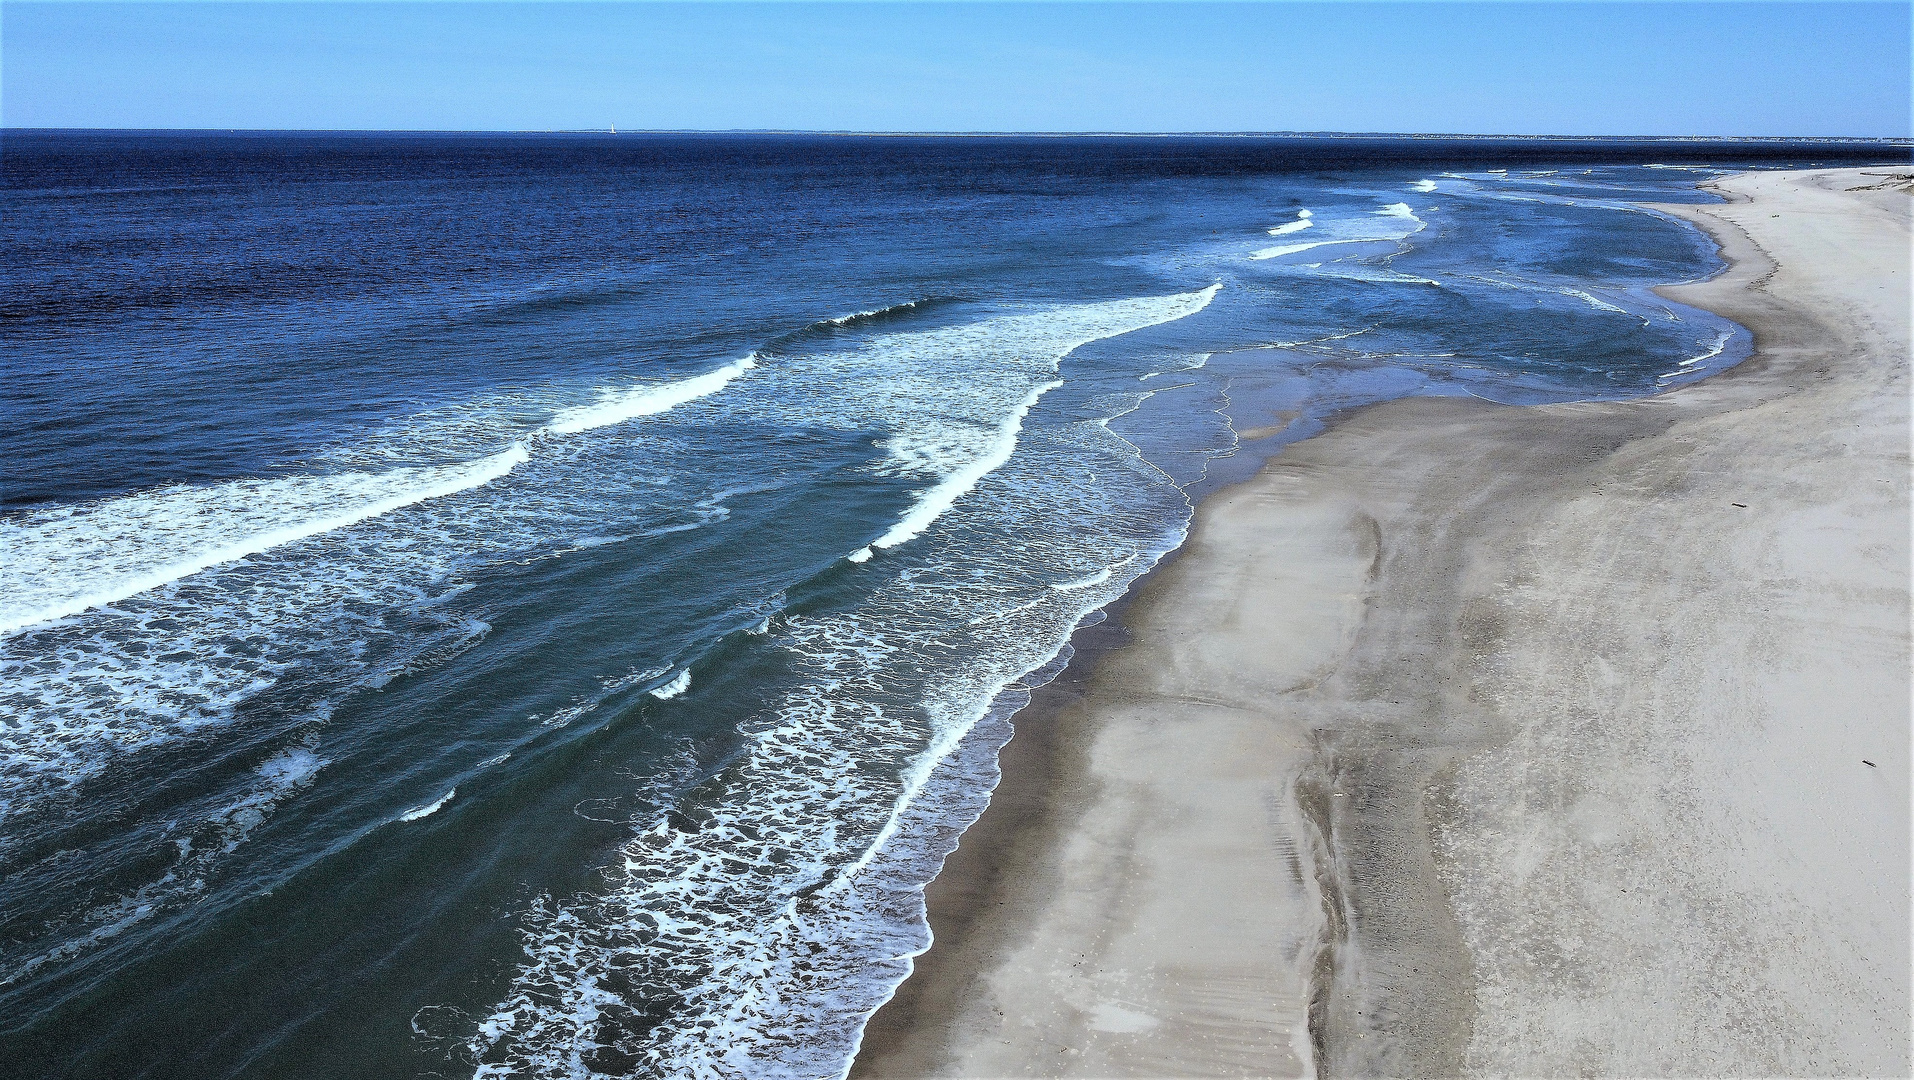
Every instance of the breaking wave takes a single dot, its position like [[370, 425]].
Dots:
[[618, 406], [66, 561]]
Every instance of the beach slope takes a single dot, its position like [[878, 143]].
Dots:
[[1471, 739]]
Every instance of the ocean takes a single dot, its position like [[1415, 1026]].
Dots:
[[542, 606]]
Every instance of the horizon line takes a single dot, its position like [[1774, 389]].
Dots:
[[608, 132]]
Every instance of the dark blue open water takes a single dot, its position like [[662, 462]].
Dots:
[[532, 606]]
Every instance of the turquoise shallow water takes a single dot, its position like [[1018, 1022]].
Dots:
[[534, 606]]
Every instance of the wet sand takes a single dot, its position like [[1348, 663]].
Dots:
[[1472, 739]]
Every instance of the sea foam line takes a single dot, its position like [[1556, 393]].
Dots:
[[958, 483], [1393, 210], [44, 587], [41, 592], [1596, 302], [1302, 222], [946, 492], [859, 316], [1291, 249], [1104, 574], [1721, 342], [1687, 367], [618, 406], [428, 809]]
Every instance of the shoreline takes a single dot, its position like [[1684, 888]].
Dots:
[[1444, 681]]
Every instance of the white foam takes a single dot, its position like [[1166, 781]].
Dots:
[[1367, 227], [1191, 365], [961, 453], [1302, 222], [675, 687], [946, 492], [428, 809], [291, 769], [1721, 343], [618, 406], [1687, 367], [1097, 578], [1424, 185], [1290, 249], [846, 320], [1595, 301], [63, 562]]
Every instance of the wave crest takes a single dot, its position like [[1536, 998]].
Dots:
[[618, 406], [67, 561]]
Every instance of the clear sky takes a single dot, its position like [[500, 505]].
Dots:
[[1658, 68]]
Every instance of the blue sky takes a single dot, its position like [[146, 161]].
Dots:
[[1659, 68]]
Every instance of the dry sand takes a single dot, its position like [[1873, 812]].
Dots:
[[1469, 739]]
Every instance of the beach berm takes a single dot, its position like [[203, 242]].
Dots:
[[1474, 739]]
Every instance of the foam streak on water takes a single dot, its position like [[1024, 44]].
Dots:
[[956, 485], [66, 561], [618, 406], [1302, 222]]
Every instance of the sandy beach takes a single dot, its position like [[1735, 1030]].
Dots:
[[1473, 739]]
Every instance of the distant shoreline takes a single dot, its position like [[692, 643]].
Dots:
[[1596, 140]]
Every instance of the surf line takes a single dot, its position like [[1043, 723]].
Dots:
[[945, 493], [79, 596], [51, 596], [618, 406]]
